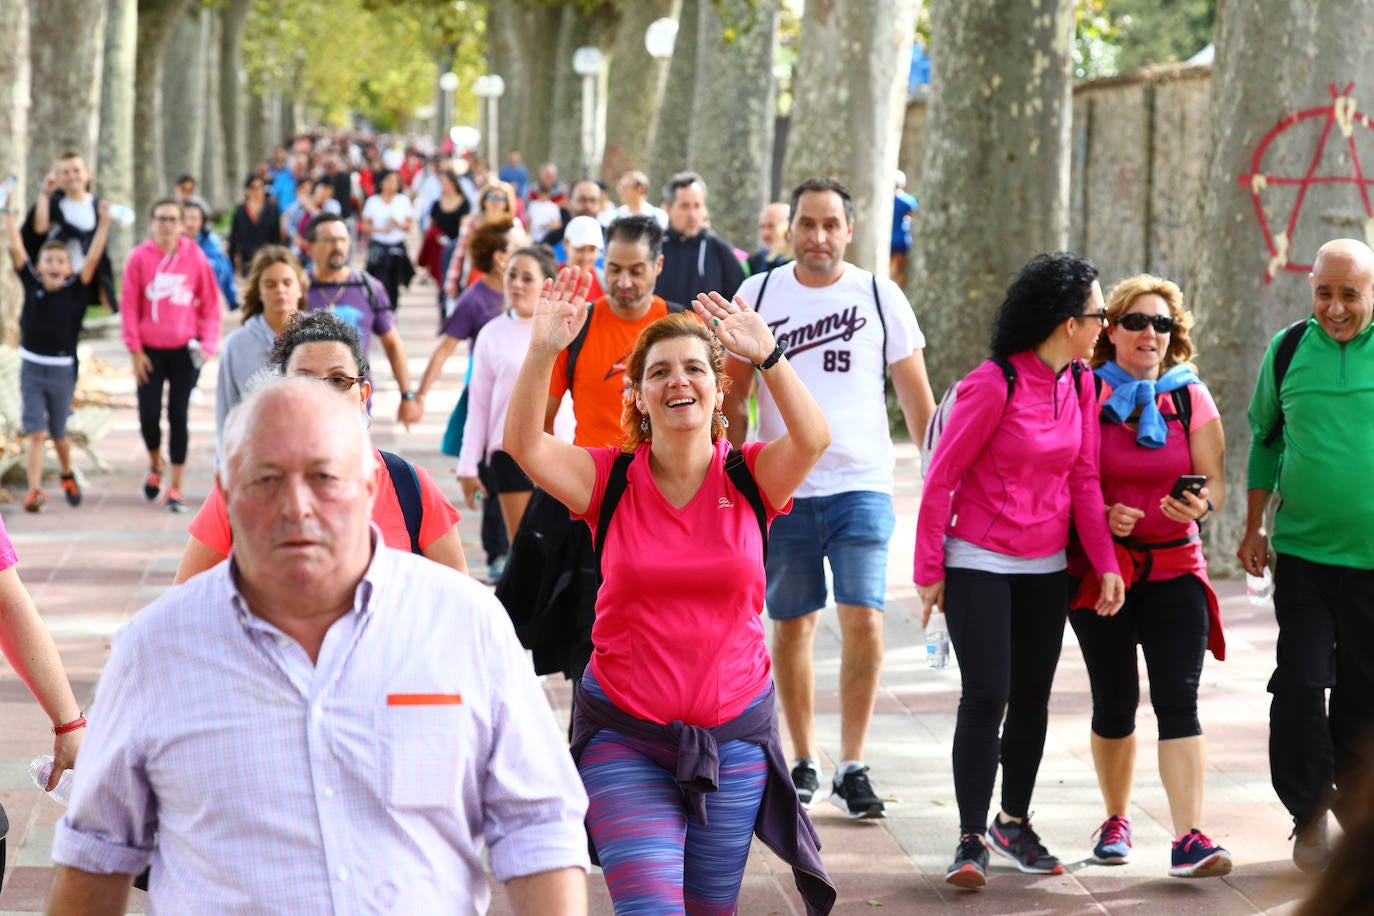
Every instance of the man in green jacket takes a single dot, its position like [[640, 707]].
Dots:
[[1311, 440]]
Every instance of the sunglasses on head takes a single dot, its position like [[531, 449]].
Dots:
[[1136, 321]]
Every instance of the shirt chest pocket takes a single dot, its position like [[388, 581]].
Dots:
[[421, 737]]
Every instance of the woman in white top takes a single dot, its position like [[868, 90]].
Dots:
[[496, 358], [387, 216]]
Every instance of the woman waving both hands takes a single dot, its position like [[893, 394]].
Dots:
[[689, 647]]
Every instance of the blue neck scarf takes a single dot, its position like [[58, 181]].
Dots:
[[1129, 392]]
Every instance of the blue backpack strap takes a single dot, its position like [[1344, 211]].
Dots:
[[615, 487], [407, 484], [738, 471]]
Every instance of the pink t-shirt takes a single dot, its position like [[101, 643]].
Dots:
[[679, 633], [7, 555], [1136, 476], [211, 524]]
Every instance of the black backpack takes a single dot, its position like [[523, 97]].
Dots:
[[1283, 358]]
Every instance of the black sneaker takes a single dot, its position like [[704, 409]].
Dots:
[[806, 777], [1021, 844], [71, 490], [970, 868], [855, 796]]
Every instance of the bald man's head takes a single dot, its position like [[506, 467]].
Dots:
[[1343, 288]]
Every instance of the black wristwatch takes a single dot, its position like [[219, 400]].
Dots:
[[771, 361], [408, 395]]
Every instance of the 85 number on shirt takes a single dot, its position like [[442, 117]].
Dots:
[[835, 360]]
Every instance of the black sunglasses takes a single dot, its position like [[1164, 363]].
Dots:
[[497, 198], [1136, 321], [1100, 316]]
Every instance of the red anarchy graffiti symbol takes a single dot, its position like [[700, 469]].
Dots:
[[1340, 115]]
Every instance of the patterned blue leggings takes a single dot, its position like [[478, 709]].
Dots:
[[656, 858]]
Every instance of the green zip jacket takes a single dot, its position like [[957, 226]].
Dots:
[[1324, 461]]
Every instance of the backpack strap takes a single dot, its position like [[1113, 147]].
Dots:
[[574, 349], [615, 488], [1283, 357], [738, 471], [407, 484], [762, 288]]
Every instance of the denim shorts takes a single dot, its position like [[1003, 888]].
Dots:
[[852, 531], [47, 393]]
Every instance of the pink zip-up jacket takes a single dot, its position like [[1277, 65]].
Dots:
[[1008, 475], [167, 300]]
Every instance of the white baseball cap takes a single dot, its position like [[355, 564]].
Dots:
[[583, 231]]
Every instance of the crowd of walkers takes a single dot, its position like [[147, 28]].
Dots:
[[1070, 476]]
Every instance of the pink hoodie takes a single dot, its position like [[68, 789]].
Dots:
[[1006, 475], [167, 300]]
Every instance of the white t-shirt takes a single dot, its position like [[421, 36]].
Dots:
[[79, 215], [646, 209], [380, 213], [542, 215], [834, 340]]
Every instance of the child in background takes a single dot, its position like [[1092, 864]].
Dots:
[[55, 301], [542, 214]]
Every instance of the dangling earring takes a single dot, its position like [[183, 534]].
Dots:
[[724, 420], [644, 423]]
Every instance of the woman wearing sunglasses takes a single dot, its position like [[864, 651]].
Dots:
[[1159, 422], [1017, 458], [495, 204], [320, 345]]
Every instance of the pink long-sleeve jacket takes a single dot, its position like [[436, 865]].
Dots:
[[1009, 474]]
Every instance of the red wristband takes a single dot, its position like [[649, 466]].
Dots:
[[73, 725]]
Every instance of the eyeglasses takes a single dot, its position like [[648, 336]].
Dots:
[[495, 198], [1136, 321], [166, 219], [339, 382], [1100, 316]]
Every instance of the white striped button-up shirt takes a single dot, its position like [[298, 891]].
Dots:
[[256, 782]]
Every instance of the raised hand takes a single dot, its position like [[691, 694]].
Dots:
[[561, 310], [739, 328]]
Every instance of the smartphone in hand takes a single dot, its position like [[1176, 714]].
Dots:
[[1188, 483]]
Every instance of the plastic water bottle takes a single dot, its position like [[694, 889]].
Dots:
[[122, 214], [937, 641], [40, 768], [196, 353], [7, 190], [1259, 589]]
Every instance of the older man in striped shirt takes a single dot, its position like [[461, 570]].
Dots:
[[320, 724]]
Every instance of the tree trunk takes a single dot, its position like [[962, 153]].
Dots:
[[731, 142], [214, 180], [635, 84], [14, 132], [66, 47], [507, 24], [116, 179], [257, 113], [1292, 58], [536, 140], [577, 28], [848, 98], [669, 151], [996, 166], [156, 21], [183, 98], [233, 88]]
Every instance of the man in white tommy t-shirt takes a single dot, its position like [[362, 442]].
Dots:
[[842, 328]]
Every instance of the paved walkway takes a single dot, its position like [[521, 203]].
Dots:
[[92, 568]]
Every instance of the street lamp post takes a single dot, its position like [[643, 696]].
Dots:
[[490, 88], [449, 84], [587, 64]]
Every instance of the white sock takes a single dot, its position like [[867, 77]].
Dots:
[[845, 767]]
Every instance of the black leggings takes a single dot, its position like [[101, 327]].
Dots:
[[172, 368], [1169, 619], [989, 613]]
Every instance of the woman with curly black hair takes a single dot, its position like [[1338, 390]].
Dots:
[[1017, 458]]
